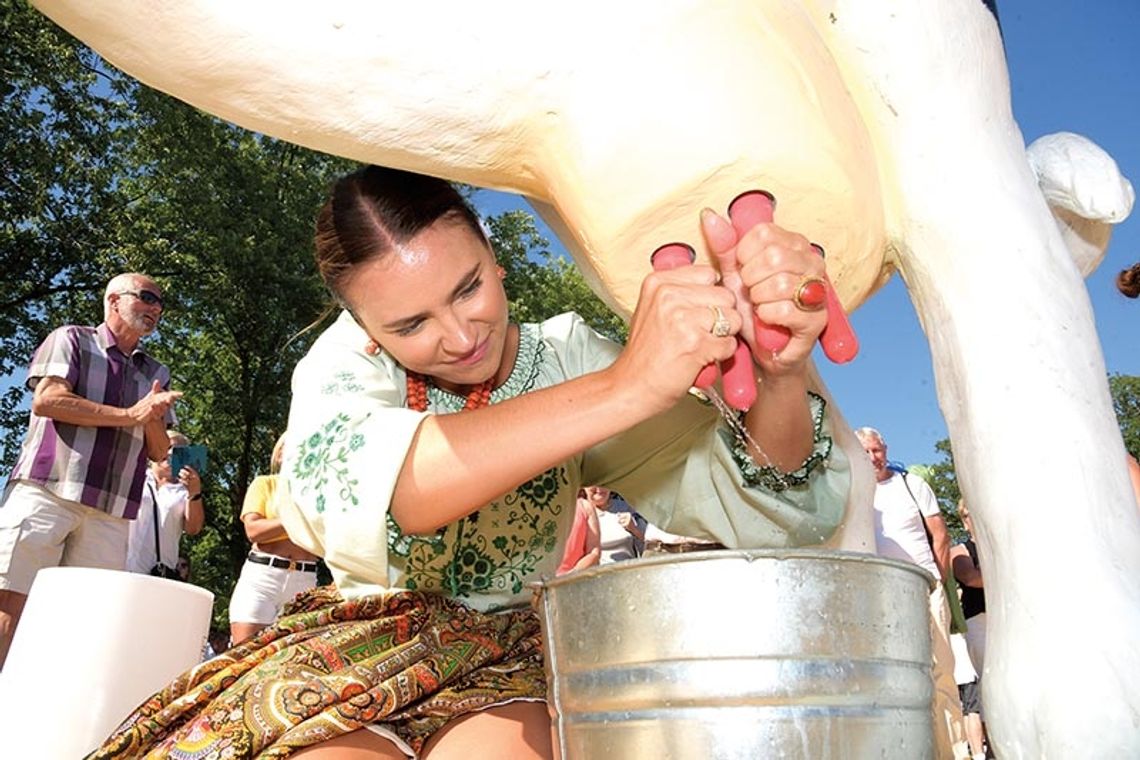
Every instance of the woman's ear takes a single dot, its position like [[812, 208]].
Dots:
[[501, 272], [371, 347]]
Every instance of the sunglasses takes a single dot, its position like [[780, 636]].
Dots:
[[150, 298]]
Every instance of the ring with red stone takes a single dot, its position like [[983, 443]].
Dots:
[[811, 294]]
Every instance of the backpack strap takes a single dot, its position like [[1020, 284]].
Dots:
[[929, 538], [154, 506]]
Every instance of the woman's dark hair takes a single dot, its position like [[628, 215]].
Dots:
[[375, 209], [1128, 281]]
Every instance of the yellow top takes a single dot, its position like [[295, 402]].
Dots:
[[259, 497]]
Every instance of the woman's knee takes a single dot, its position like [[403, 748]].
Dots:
[[518, 730], [361, 744]]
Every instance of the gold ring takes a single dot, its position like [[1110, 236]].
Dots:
[[721, 327], [811, 294]]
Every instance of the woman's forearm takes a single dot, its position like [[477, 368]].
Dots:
[[781, 423], [261, 530], [457, 463]]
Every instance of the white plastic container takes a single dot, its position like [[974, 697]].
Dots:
[[91, 646]]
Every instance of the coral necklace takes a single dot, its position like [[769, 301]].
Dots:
[[478, 396]]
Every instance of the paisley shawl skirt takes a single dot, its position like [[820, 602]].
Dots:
[[405, 661]]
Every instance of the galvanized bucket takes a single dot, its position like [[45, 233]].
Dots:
[[741, 654]]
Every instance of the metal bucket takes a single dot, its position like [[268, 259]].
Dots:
[[741, 654]]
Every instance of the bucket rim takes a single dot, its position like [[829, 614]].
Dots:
[[748, 555]]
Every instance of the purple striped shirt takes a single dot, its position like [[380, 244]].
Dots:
[[100, 467]]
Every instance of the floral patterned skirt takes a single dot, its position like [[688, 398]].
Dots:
[[405, 660]]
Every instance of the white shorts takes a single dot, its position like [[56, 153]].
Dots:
[[38, 529], [262, 591]]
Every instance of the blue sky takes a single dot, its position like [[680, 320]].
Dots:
[[1075, 67]]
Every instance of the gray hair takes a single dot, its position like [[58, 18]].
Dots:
[[865, 433], [119, 283]]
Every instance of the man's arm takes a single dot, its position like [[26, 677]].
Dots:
[[941, 540], [54, 398], [964, 568], [927, 504], [156, 439]]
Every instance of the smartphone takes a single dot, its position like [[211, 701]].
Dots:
[[193, 456]]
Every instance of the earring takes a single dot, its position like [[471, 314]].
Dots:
[[371, 348], [501, 272]]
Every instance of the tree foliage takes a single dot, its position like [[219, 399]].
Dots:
[[540, 284], [944, 483], [61, 126], [103, 175], [1125, 391], [224, 218]]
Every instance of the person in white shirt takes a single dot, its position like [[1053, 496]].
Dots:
[[621, 528], [905, 509], [176, 502]]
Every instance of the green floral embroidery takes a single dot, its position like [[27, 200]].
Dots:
[[533, 498], [502, 546], [401, 545], [769, 477], [522, 379], [323, 460], [343, 382], [472, 556], [470, 572], [524, 376]]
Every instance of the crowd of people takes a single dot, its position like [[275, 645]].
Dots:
[[83, 494], [420, 466], [612, 530]]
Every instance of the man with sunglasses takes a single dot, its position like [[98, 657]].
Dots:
[[101, 407]]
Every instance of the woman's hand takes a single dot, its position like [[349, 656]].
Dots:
[[768, 264], [627, 521], [195, 513], [671, 334], [189, 478]]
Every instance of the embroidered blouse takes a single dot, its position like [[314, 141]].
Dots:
[[349, 432]]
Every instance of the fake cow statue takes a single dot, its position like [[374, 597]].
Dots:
[[884, 131]]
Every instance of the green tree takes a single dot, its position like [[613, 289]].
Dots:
[[225, 218], [1125, 391], [103, 175], [541, 284], [61, 122], [944, 483]]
